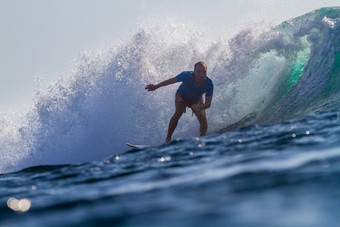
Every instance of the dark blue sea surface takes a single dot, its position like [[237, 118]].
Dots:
[[65, 162], [284, 174]]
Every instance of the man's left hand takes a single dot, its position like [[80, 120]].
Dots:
[[196, 108]]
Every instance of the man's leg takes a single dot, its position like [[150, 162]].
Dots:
[[202, 119], [180, 109]]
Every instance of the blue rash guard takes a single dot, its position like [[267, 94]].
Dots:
[[191, 91]]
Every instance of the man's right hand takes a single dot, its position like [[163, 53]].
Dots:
[[151, 87]]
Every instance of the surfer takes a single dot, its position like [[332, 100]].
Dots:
[[189, 94]]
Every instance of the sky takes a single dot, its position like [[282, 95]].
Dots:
[[41, 38]]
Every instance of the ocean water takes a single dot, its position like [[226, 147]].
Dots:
[[65, 162]]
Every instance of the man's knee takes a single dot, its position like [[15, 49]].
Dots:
[[177, 115]]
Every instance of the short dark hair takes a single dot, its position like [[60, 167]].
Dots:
[[201, 63]]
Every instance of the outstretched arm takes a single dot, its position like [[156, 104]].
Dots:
[[152, 87]]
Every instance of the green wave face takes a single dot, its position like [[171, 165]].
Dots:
[[308, 78], [298, 66]]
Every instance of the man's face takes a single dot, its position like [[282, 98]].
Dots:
[[200, 72]]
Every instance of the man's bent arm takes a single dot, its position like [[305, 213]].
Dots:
[[152, 87], [206, 105]]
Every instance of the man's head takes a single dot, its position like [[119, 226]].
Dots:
[[200, 71]]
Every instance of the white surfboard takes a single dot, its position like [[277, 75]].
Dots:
[[137, 146]]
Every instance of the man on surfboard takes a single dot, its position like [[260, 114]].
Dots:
[[189, 94]]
